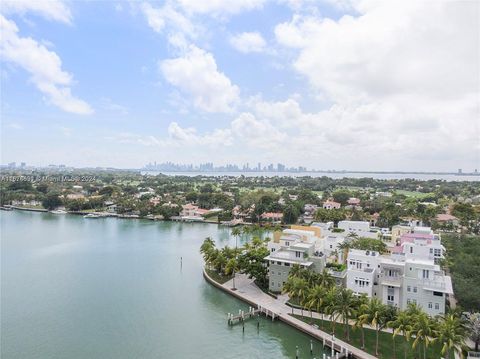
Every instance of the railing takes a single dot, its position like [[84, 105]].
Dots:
[[337, 274], [433, 284], [472, 355], [385, 279]]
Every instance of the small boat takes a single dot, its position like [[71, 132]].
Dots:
[[91, 215], [6, 208], [58, 211]]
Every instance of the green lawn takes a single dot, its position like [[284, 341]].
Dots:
[[385, 341], [218, 277], [415, 194]]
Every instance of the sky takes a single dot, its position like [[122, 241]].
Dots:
[[326, 84]]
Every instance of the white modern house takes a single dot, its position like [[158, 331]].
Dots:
[[297, 245], [410, 274]]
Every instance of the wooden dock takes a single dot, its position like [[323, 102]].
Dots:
[[242, 316]]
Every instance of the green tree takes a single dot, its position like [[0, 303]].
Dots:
[[402, 324], [51, 201], [451, 334], [374, 313], [423, 330]]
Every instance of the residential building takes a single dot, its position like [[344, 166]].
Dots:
[[331, 205], [297, 245], [360, 228], [410, 274], [272, 216]]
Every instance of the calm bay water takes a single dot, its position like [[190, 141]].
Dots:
[[334, 175], [111, 288]]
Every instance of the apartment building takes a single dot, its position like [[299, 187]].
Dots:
[[410, 274]]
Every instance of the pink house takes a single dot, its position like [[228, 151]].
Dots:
[[272, 216]]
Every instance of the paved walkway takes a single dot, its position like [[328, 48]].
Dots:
[[250, 293]]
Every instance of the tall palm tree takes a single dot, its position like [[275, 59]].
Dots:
[[402, 325], [325, 279], [231, 267], [295, 271], [360, 319], [297, 289], [374, 313], [236, 232], [330, 301], [423, 330], [316, 299], [345, 307], [451, 334]]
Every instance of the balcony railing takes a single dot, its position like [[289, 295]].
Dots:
[[388, 280]]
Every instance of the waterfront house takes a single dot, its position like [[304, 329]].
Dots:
[[297, 245], [275, 217], [410, 274]]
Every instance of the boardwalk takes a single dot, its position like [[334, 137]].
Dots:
[[250, 293]]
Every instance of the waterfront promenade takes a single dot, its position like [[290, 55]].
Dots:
[[250, 293]]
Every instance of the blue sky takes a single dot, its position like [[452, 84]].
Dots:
[[333, 84]]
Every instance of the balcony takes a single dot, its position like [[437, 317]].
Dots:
[[393, 281]]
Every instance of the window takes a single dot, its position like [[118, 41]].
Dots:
[[430, 306], [279, 263], [414, 289], [408, 301], [287, 264], [273, 250], [297, 254], [437, 306], [431, 250], [437, 252], [414, 301], [287, 244], [278, 285], [425, 273], [438, 294], [411, 249], [409, 288], [272, 272], [390, 298], [273, 283]]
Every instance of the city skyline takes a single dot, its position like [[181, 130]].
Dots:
[[363, 85]]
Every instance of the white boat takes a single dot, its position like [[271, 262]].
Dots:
[[58, 211], [91, 215]]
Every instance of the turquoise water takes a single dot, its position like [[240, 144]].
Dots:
[[111, 288]]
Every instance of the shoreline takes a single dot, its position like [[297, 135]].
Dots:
[[339, 345]]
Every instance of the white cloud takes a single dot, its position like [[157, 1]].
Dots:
[[159, 18], [219, 7], [190, 137], [51, 9], [402, 77], [196, 74], [44, 66], [248, 42]]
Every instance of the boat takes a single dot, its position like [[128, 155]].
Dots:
[[58, 211], [6, 208], [91, 215]]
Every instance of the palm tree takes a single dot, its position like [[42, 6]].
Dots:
[[207, 247], [345, 307], [451, 333], [402, 325], [297, 289], [330, 301], [325, 279], [361, 320], [295, 271], [374, 313], [231, 267], [236, 232], [423, 329], [316, 299], [345, 247]]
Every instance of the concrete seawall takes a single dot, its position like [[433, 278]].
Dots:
[[280, 311]]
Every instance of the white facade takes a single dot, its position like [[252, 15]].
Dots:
[[410, 274]]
